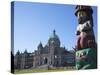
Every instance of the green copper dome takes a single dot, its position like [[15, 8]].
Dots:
[[54, 36], [54, 39]]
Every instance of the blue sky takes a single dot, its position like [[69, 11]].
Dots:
[[35, 22]]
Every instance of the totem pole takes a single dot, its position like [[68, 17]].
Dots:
[[86, 47]]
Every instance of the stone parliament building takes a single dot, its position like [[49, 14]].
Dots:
[[49, 56]]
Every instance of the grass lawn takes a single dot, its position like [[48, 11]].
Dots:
[[39, 71]]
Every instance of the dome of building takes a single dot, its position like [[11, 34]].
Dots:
[[54, 39], [54, 36]]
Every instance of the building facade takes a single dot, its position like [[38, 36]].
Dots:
[[23, 60], [52, 55]]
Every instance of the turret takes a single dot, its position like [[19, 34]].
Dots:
[[40, 48], [18, 53]]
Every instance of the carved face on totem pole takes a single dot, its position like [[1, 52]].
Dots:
[[85, 47], [82, 17], [84, 30]]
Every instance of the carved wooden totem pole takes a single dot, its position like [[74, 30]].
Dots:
[[86, 47]]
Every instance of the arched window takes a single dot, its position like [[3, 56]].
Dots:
[[45, 61]]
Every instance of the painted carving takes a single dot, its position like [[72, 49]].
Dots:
[[86, 54]]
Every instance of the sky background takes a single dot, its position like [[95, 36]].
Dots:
[[35, 22]]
